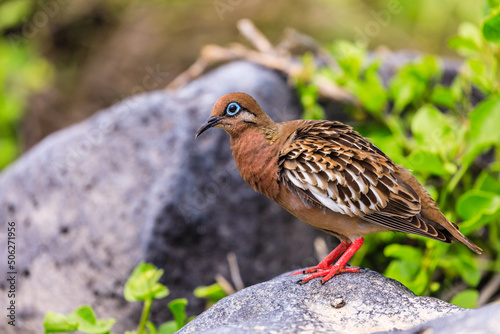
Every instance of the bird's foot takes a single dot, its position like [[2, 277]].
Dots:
[[328, 273], [326, 264], [325, 268]]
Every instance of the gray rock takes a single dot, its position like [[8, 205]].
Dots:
[[131, 183], [483, 320], [364, 302]]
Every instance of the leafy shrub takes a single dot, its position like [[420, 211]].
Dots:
[[451, 145]]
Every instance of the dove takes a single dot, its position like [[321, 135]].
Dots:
[[330, 177]]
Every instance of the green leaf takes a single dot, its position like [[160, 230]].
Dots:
[[314, 111], [13, 12], [349, 57], [213, 292], [478, 208], [426, 162], [428, 67], [83, 319], [143, 284], [370, 90], [443, 96], [477, 202], [169, 327], [151, 327], [467, 267], [487, 182], [484, 120], [466, 298], [479, 74], [469, 40], [88, 323], [420, 282], [491, 28], [405, 89], [492, 4], [435, 286], [403, 252], [58, 323], [11, 108], [432, 130], [469, 226], [402, 271], [178, 309], [9, 150], [307, 90], [464, 47], [409, 274], [411, 81], [457, 87]]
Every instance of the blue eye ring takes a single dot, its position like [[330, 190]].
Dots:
[[233, 108]]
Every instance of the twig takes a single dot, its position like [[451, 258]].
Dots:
[[194, 71], [320, 248], [235, 271], [266, 55], [254, 36], [489, 290], [225, 285]]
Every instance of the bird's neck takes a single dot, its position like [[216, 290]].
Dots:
[[256, 154]]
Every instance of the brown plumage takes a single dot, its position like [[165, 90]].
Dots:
[[330, 177]]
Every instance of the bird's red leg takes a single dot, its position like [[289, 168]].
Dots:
[[339, 266], [328, 260]]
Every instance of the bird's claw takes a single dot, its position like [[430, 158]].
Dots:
[[310, 270], [300, 272]]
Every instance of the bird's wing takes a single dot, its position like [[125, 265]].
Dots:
[[329, 164]]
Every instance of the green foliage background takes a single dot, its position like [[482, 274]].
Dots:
[[142, 286], [23, 71], [451, 144]]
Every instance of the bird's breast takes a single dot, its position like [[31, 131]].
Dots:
[[257, 162]]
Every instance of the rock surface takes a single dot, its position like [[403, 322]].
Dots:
[[365, 302], [483, 320], [131, 184]]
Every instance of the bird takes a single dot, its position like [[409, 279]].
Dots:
[[327, 175]]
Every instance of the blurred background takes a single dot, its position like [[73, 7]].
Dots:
[[61, 61]]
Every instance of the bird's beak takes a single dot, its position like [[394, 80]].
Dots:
[[211, 122]]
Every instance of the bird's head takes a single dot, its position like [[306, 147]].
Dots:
[[235, 113]]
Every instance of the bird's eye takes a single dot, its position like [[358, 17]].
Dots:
[[233, 108]]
